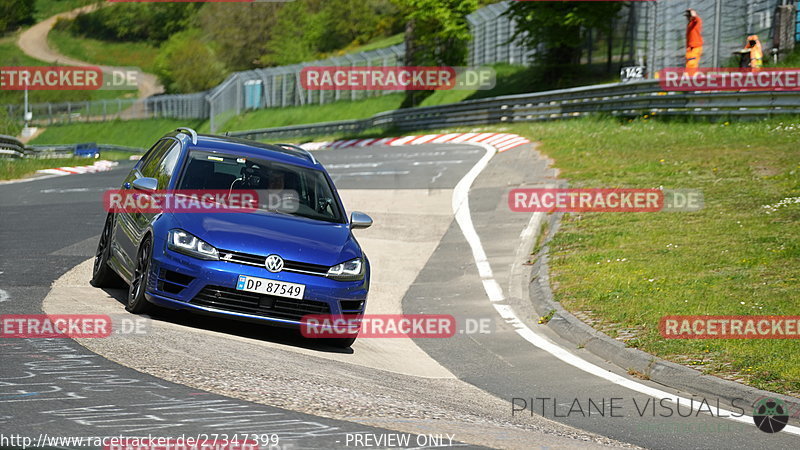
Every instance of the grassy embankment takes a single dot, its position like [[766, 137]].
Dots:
[[12, 56], [123, 54], [12, 169], [624, 271]]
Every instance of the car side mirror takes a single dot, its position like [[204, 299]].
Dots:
[[360, 220], [145, 184]]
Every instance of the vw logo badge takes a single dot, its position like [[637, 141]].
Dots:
[[274, 263]]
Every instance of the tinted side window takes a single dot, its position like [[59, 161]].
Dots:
[[153, 157], [148, 155], [167, 166]]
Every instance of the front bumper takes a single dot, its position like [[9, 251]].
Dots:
[[181, 282]]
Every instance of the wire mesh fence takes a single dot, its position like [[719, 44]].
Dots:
[[182, 106], [661, 30], [278, 87], [650, 34], [492, 38], [254, 89]]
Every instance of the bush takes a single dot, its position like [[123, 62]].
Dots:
[[14, 13], [151, 22], [187, 64], [8, 126], [239, 31], [312, 29]]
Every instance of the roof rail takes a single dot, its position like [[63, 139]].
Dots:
[[190, 132], [300, 149]]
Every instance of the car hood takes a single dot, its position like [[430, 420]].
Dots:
[[292, 238]]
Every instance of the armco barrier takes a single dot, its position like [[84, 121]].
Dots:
[[10, 147], [616, 99], [649, 38]]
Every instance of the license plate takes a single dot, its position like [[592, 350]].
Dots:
[[270, 287]]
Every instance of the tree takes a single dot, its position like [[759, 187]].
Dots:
[[187, 64], [300, 27], [350, 23], [153, 22], [14, 13], [436, 34], [313, 29], [560, 27], [240, 32]]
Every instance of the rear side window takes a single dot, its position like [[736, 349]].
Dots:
[[167, 165], [153, 157]]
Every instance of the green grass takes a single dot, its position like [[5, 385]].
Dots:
[[341, 110], [113, 155], [48, 8], [791, 60], [374, 45], [627, 270], [12, 169], [126, 54], [510, 80], [731, 258], [133, 133], [11, 55]]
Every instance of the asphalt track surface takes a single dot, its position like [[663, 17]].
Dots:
[[192, 375]]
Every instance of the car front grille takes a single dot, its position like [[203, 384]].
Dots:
[[229, 299], [258, 260]]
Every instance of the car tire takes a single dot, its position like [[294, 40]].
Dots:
[[137, 303], [341, 342], [103, 276]]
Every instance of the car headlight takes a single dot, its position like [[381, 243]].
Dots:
[[352, 270], [189, 244]]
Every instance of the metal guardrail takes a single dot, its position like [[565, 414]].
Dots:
[[71, 147], [11, 147], [241, 91], [652, 37], [616, 99], [318, 129]]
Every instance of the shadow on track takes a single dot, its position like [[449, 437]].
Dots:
[[248, 330]]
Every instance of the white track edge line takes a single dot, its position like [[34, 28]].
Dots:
[[495, 293]]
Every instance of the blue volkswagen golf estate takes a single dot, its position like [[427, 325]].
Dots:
[[263, 264]]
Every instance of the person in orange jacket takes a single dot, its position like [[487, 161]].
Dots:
[[756, 54], [694, 41]]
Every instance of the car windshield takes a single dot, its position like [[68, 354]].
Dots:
[[282, 188]]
